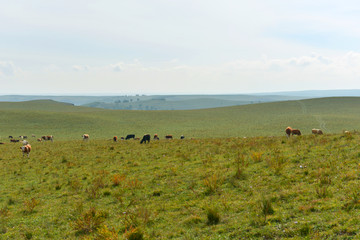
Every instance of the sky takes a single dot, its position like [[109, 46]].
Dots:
[[112, 47]]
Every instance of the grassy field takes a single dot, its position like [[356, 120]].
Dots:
[[65, 121], [226, 188], [218, 185]]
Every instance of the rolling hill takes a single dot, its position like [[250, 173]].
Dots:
[[65, 121]]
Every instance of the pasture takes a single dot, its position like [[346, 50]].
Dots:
[[226, 188], [218, 185], [67, 122]]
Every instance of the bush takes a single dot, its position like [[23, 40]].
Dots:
[[213, 216], [133, 234], [89, 221]]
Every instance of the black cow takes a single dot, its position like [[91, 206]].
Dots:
[[182, 137], [129, 136], [146, 138], [14, 140], [11, 137]]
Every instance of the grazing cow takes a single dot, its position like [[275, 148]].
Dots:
[[24, 142], [295, 132], [346, 132], [182, 137], [146, 138], [23, 137], [26, 149], [1, 143], [48, 137], [14, 140], [129, 136], [85, 137], [33, 135], [122, 138], [39, 139], [168, 137], [288, 131], [156, 137], [115, 138], [11, 137], [317, 131]]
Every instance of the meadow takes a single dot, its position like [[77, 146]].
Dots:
[[227, 188], [239, 177], [68, 122]]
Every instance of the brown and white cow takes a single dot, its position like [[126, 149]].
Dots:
[[156, 137], [26, 149], [48, 137], [317, 131], [288, 131], [115, 138], [295, 132], [85, 137]]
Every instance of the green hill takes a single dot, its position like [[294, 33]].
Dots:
[[65, 121]]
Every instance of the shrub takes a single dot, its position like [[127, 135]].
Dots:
[[322, 191], [213, 216], [89, 221], [107, 234], [305, 230], [266, 207], [240, 166], [29, 205], [212, 183], [256, 156], [133, 234], [117, 179]]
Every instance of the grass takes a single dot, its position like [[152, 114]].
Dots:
[[67, 122], [182, 189]]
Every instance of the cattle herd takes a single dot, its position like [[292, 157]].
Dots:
[[26, 147]]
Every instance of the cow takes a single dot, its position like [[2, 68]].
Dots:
[[1, 143], [288, 131], [33, 135], [39, 139], [168, 137], [23, 137], [11, 137], [295, 132], [26, 149], [24, 142], [317, 131], [129, 136], [122, 138], [156, 137], [146, 138], [85, 137], [115, 138], [182, 137], [14, 140], [48, 137]]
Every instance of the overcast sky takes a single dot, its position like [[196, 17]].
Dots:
[[178, 46]]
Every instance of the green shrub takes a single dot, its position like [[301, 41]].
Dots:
[[213, 216]]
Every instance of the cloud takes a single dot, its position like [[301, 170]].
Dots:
[[78, 68], [7, 68]]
